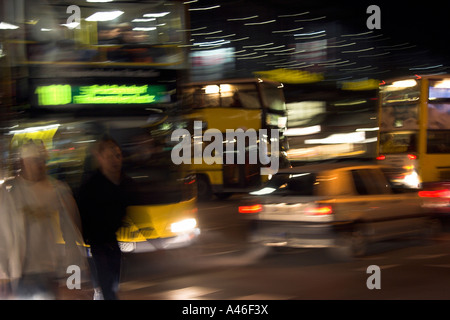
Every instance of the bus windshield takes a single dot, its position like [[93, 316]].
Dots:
[[403, 92], [273, 97], [398, 142], [243, 95], [399, 116], [235, 95], [400, 105]]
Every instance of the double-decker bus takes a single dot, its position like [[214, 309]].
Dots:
[[414, 129], [80, 70], [163, 212], [229, 105]]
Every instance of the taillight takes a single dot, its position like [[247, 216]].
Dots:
[[412, 157], [251, 209], [445, 193], [381, 157], [319, 211]]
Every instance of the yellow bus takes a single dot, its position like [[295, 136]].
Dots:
[[230, 105], [414, 129], [72, 76], [164, 212]]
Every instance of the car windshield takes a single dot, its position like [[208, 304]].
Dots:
[[300, 184]]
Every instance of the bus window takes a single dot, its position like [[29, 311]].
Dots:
[[438, 133], [400, 92], [398, 142], [438, 141], [192, 98], [439, 116], [122, 40], [273, 97], [242, 99], [399, 117], [222, 95], [439, 89], [400, 105], [241, 96]]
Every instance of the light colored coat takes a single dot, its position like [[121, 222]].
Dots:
[[36, 220]]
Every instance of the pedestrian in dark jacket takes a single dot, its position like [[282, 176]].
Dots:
[[102, 202]]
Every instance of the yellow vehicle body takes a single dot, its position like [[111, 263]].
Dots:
[[229, 118], [415, 127], [434, 167], [150, 227], [213, 171], [153, 222], [225, 106]]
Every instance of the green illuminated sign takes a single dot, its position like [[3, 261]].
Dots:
[[54, 94], [62, 94]]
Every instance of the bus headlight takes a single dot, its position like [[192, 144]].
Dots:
[[127, 246], [183, 225]]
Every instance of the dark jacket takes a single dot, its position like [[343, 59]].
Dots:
[[102, 206]]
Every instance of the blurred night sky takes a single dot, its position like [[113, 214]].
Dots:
[[413, 38]]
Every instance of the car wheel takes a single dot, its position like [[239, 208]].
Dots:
[[350, 244]]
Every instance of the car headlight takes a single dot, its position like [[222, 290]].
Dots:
[[183, 225]]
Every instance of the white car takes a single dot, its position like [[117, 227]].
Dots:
[[341, 206]]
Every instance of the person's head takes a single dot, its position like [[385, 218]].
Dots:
[[33, 158], [109, 156]]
